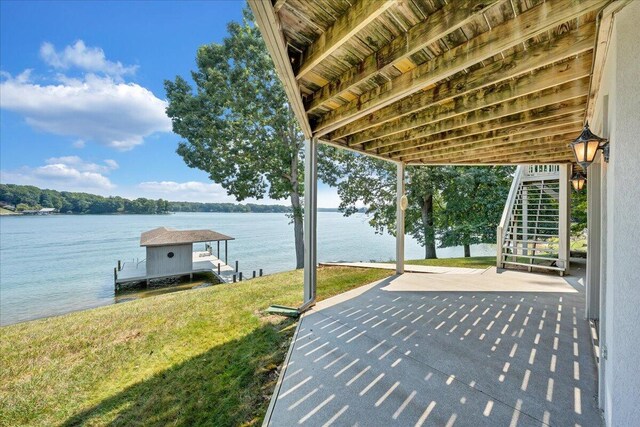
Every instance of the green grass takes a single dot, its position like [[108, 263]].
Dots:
[[471, 262], [201, 357], [4, 211]]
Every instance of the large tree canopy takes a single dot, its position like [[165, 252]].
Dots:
[[474, 198], [452, 206], [237, 124]]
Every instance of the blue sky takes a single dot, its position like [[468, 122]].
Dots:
[[82, 98]]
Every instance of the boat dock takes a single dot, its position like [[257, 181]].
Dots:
[[170, 253]]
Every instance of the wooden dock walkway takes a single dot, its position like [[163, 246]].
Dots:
[[203, 262]]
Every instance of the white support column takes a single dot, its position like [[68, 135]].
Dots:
[[310, 217], [593, 241], [400, 220], [564, 202]]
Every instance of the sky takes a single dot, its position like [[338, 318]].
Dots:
[[82, 101]]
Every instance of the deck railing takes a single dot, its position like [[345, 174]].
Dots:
[[507, 212]]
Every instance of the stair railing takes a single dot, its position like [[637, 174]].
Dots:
[[507, 213]]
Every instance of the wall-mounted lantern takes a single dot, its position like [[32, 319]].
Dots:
[[578, 180], [587, 145]]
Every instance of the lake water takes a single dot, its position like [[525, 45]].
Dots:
[[55, 264]]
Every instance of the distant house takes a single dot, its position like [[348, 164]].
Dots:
[[43, 211]]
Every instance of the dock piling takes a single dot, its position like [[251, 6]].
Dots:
[[119, 265], [236, 266], [260, 272], [218, 269], [254, 274], [115, 276], [240, 276], [234, 278]]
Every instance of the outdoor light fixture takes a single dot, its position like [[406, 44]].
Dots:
[[587, 145], [578, 180], [404, 202]]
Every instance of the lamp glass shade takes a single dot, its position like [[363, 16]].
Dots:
[[586, 146], [578, 181], [585, 151]]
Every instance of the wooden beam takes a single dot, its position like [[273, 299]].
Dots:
[[357, 17], [435, 26], [551, 155], [554, 81], [522, 143], [278, 5], [551, 96], [513, 126], [511, 141], [605, 27], [267, 22], [518, 65], [443, 133], [523, 27]]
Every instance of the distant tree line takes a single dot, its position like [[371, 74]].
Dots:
[[26, 197]]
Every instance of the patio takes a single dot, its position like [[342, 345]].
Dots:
[[492, 348]]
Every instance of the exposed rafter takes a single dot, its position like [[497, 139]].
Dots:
[[526, 65], [530, 24], [361, 14], [439, 82], [451, 17], [548, 97]]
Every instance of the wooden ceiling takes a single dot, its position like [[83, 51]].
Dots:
[[437, 81]]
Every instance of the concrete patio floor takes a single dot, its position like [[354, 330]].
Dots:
[[494, 348]]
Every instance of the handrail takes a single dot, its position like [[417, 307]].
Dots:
[[506, 213]]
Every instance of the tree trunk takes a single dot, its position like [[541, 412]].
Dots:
[[427, 223], [467, 250], [298, 224], [298, 228]]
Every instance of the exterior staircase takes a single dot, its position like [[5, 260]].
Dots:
[[533, 231]]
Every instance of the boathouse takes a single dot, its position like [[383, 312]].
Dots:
[[170, 253]]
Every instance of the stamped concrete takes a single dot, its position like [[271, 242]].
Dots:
[[379, 356]]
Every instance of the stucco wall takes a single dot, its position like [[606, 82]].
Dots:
[[158, 263], [620, 275]]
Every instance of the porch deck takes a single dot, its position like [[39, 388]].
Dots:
[[495, 348]]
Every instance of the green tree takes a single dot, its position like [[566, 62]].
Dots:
[[473, 200], [369, 182], [237, 125]]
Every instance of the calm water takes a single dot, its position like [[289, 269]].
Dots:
[[51, 265]]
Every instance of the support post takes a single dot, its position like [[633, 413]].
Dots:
[[399, 219], [310, 217], [218, 249], [218, 268], [236, 266], [226, 252], [260, 272], [594, 239], [564, 204], [119, 265]]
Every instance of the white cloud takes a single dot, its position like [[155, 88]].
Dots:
[[69, 173], [82, 165], [78, 55], [190, 191], [119, 115]]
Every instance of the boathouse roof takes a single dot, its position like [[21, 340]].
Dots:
[[163, 236]]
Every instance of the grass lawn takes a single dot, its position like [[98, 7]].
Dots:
[[471, 262], [4, 211], [200, 357]]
